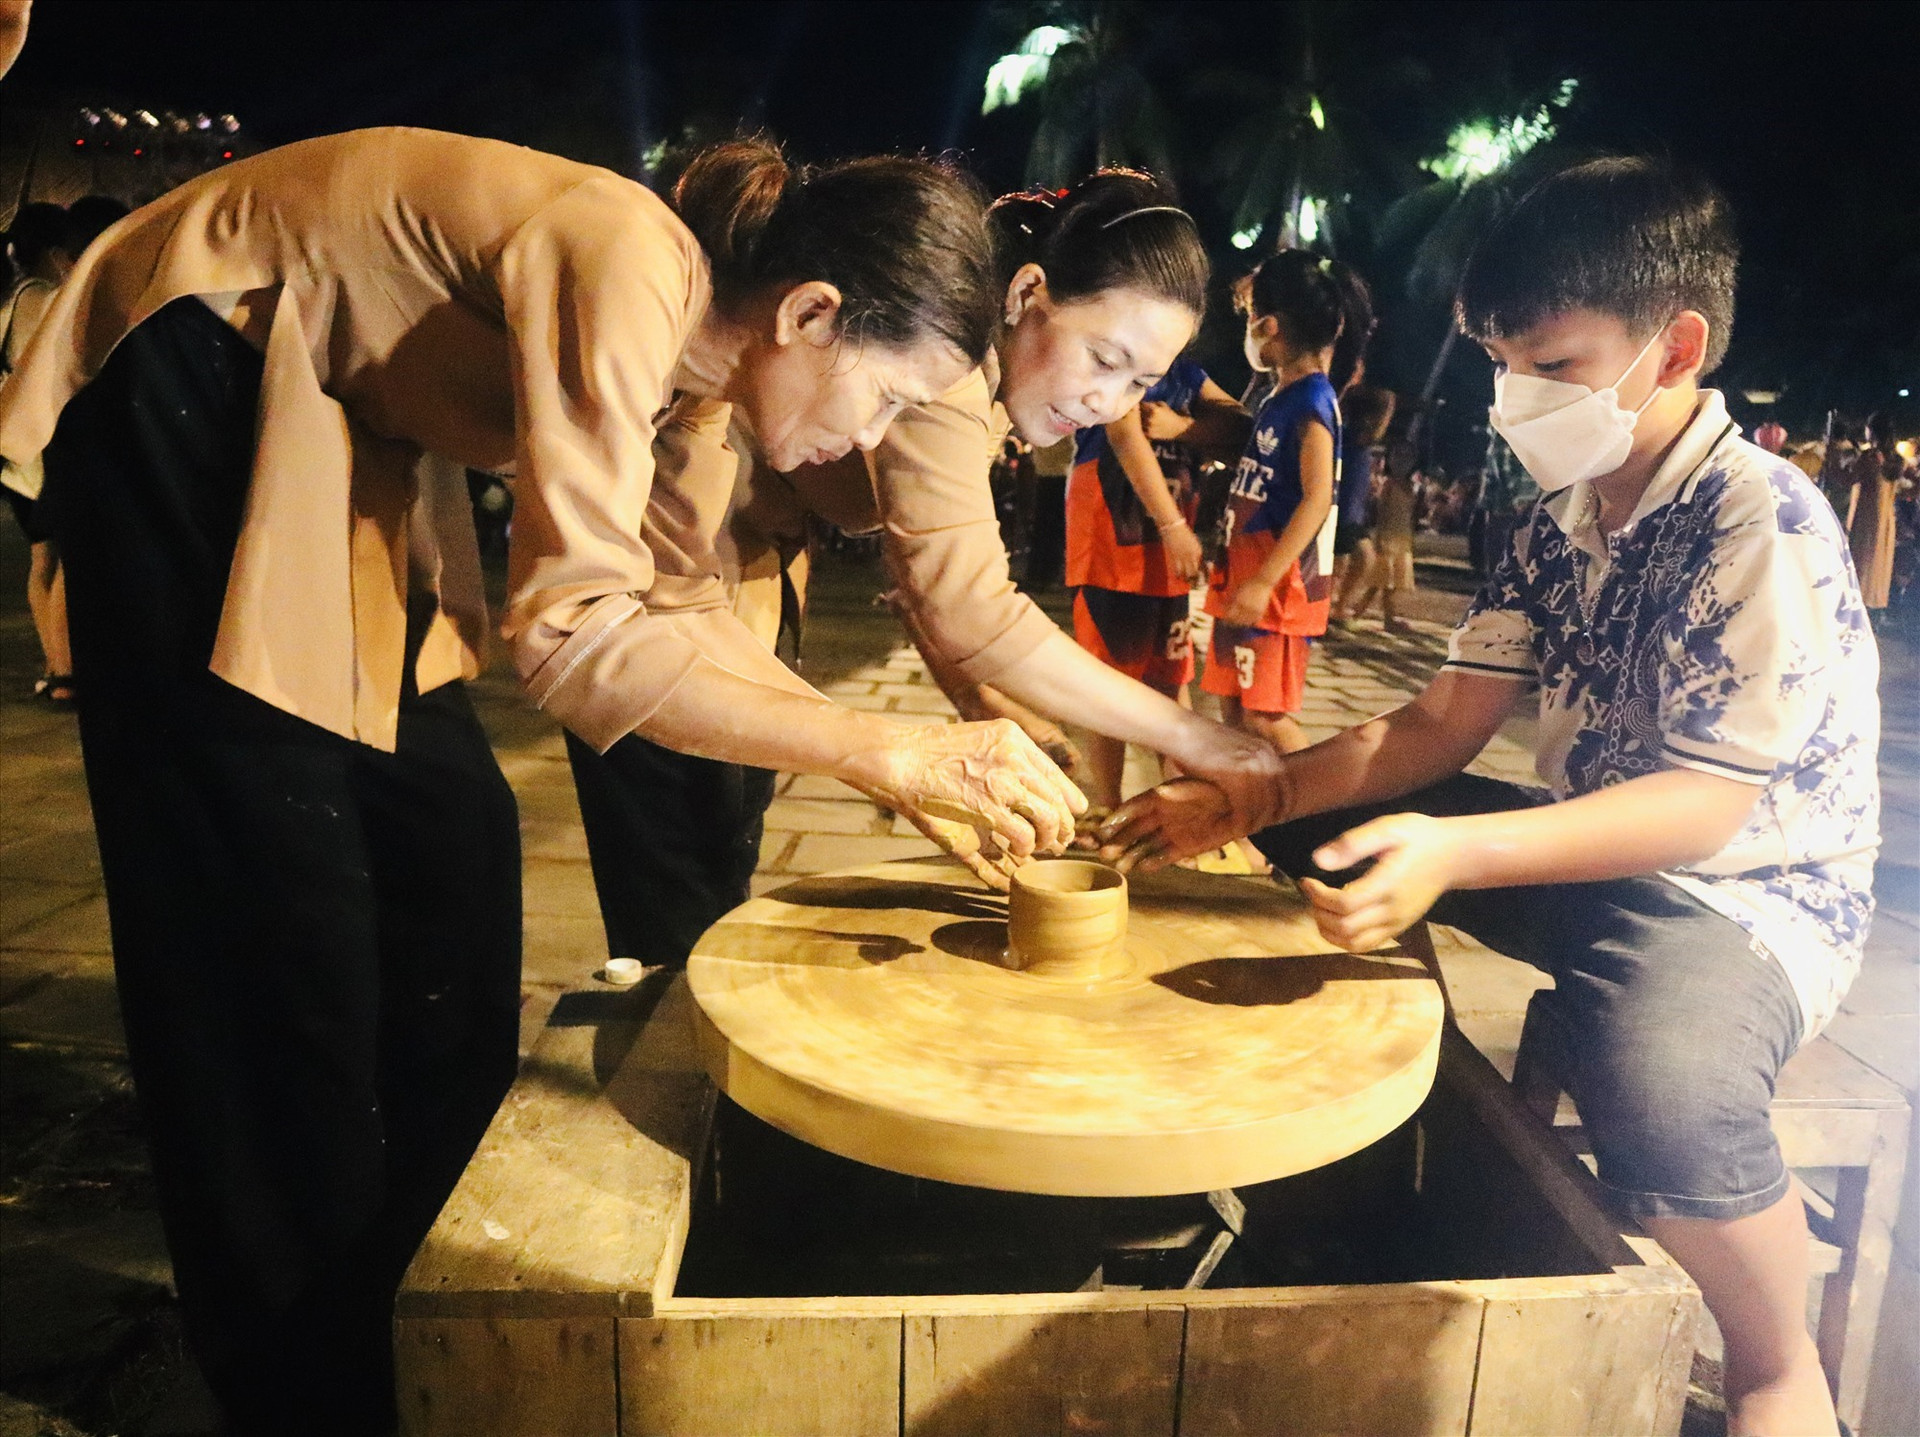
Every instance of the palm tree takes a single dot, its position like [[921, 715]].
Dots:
[[1095, 105], [1444, 219], [1303, 158]]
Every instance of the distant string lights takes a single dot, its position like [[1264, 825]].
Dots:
[[144, 134]]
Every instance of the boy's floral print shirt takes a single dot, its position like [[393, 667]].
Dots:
[[1722, 630]]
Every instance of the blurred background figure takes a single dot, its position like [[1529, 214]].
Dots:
[[39, 247], [1366, 411], [1507, 495], [1870, 523]]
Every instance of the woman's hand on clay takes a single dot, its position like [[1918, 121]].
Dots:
[[987, 780], [1414, 863], [1183, 551]]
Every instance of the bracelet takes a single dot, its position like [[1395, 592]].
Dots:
[[1174, 523]]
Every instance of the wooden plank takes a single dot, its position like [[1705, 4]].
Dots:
[[1865, 1210], [1474, 1087], [1576, 1364], [1825, 1075], [1320, 1361], [1814, 1137], [506, 1377], [1113, 1370], [806, 1368], [578, 1197]]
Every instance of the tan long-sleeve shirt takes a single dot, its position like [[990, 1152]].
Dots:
[[925, 491], [433, 301]]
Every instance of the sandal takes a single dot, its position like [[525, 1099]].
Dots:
[[56, 689]]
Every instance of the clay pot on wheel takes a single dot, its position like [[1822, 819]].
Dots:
[[1067, 920]]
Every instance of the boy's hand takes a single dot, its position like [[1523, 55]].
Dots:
[[1163, 421], [1247, 605], [1177, 820], [1415, 864]]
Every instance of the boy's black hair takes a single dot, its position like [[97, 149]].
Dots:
[[36, 228], [1302, 291], [1630, 236], [88, 218]]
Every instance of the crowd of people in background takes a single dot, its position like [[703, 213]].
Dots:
[[1390, 493]]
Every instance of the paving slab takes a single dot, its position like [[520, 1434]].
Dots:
[[562, 948], [76, 928], [558, 887], [1889, 982], [1887, 1043], [823, 815], [547, 803], [814, 785], [818, 852], [774, 847], [64, 855], [553, 838], [24, 902], [23, 969], [79, 1009]]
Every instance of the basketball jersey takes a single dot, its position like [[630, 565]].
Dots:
[[1111, 541], [1266, 491]]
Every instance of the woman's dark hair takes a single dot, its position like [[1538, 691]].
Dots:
[[1116, 229], [1356, 325], [904, 240], [36, 228], [1633, 237], [1367, 409], [1301, 290]]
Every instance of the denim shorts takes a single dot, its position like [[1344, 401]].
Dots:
[[1676, 1023]]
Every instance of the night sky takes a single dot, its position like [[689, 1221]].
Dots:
[[1808, 115]]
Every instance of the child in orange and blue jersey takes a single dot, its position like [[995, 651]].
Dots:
[[1119, 550], [1132, 555], [1270, 590]]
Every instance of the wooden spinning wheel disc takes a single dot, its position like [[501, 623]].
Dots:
[[866, 1012]]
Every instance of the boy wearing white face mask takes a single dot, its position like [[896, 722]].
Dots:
[[1697, 875]]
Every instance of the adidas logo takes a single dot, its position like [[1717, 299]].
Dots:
[[1265, 439]]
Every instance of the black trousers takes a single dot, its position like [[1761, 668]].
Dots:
[[673, 841], [317, 944]]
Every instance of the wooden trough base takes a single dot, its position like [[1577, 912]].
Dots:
[[545, 1301]]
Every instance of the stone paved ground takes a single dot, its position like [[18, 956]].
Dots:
[[87, 1331]]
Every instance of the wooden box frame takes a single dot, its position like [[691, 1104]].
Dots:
[[542, 1304]]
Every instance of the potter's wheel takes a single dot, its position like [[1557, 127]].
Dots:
[[866, 1012]]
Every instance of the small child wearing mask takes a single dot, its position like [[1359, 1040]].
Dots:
[[1270, 588]]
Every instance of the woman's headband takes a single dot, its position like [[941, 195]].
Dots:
[[1148, 210]]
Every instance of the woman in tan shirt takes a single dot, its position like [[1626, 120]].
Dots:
[[1103, 286], [253, 398]]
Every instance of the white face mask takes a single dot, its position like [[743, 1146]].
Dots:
[[1250, 347], [1563, 432]]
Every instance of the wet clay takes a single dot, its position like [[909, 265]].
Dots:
[[1067, 921]]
